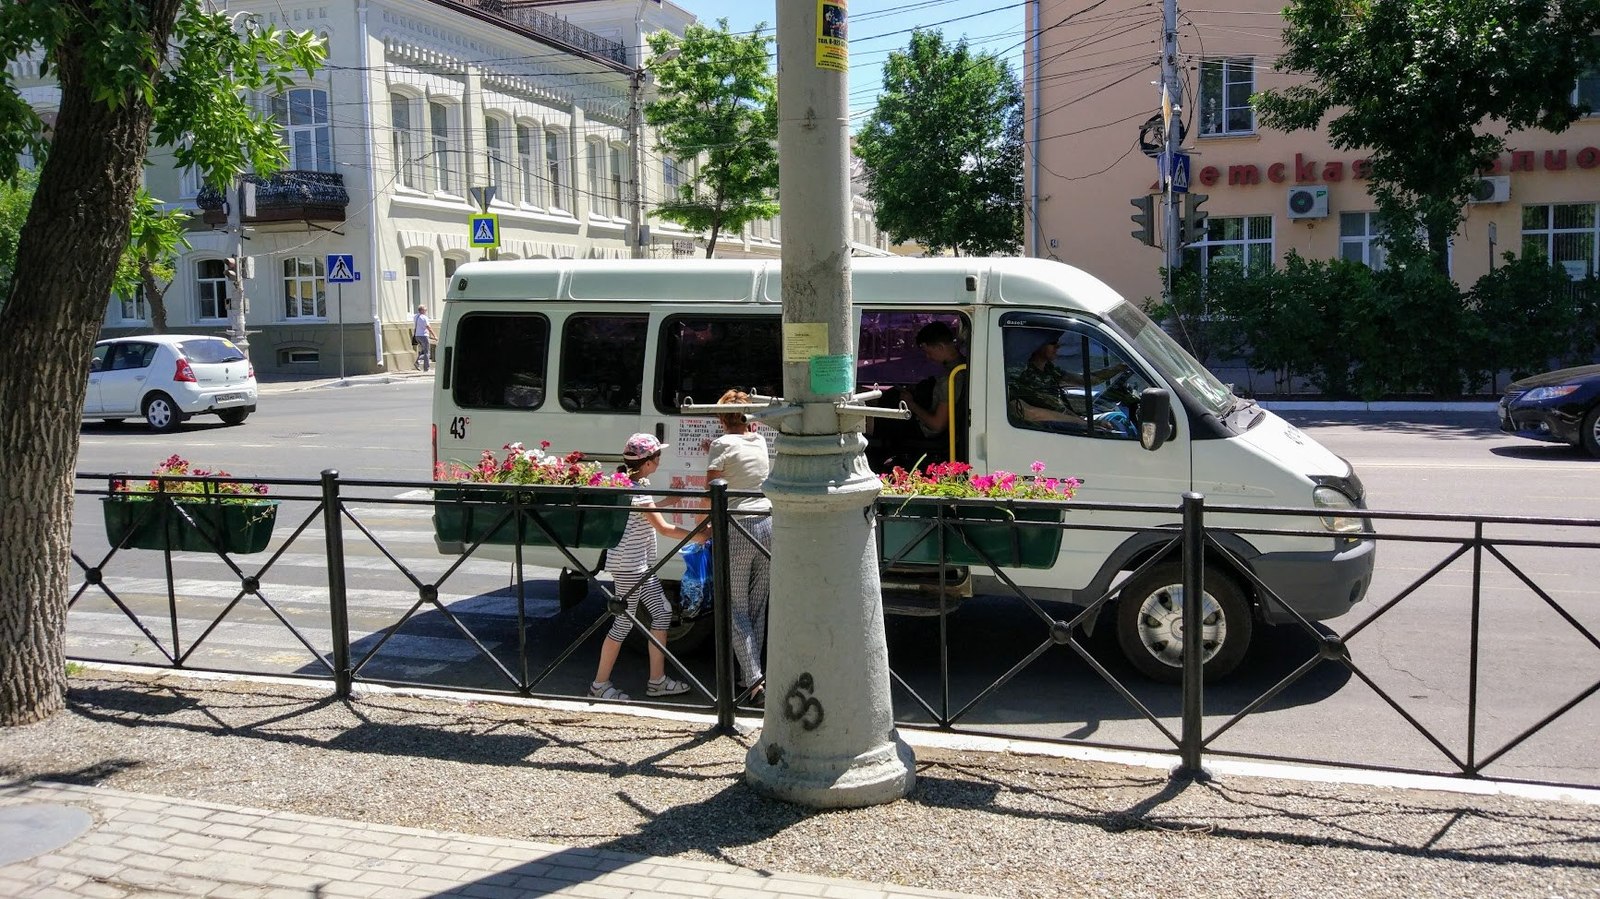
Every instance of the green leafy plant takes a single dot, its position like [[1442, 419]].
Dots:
[[956, 480], [520, 465], [187, 491]]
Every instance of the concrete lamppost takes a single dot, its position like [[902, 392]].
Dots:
[[636, 80], [828, 739]]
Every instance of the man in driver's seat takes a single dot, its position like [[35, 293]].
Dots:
[[1036, 390]]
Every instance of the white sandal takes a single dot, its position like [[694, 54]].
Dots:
[[606, 691]]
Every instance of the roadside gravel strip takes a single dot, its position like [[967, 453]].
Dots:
[[987, 823]]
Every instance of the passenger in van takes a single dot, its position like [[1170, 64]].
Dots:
[[739, 457], [938, 343], [630, 562]]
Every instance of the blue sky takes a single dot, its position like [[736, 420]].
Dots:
[[879, 26]]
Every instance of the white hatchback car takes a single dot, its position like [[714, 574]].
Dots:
[[165, 378]]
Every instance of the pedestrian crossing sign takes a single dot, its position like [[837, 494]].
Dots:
[[486, 230], [342, 269]]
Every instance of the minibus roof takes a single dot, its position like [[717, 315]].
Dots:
[[956, 281]]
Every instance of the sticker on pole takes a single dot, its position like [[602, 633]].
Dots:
[[486, 230], [342, 269], [833, 41]]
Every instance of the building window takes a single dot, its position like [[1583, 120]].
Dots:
[[444, 162], [555, 165], [133, 309], [671, 176], [1245, 239], [211, 288], [596, 157], [1225, 89], [302, 116], [414, 282], [305, 292], [189, 182], [619, 172], [1567, 234], [450, 265], [405, 142], [1359, 235], [528, 165], [495, 137], [1587, 91]]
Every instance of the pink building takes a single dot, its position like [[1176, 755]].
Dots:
[[1091, 80]]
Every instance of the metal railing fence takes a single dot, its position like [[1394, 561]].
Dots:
[[349, 623]]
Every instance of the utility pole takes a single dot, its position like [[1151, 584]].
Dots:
[[636, 142], [1172, 121], [242, 203], [828, 739]]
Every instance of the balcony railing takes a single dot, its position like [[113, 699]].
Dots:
[[287, 196], [556, 29]]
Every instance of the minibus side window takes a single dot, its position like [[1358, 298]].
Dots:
[[499, 360], [602, 362], [704, 356], [889, 358], [1047, 370]]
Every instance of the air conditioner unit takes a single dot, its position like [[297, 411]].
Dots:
[[1308, 202], [1494, 189]]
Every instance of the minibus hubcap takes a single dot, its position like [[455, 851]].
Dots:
[[1161, 625]]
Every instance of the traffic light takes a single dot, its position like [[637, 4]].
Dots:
[[231, 265], [1194, 221], [1145, 218]]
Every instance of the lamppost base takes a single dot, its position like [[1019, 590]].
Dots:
[[881, 775]]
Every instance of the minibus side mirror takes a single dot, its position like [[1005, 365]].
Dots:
[[1155, 417]]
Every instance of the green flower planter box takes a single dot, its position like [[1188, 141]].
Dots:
[[150, 523], [470, 517], [991, 530]]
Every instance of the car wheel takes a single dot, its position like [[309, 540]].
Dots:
[[1589, 436], [233, 416], [161, 413], [1150, 623]]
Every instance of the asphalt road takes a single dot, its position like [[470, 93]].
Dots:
[[1536, 607]]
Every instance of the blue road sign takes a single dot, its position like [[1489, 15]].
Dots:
[[486, 230], [342, 269], [1180, 173]]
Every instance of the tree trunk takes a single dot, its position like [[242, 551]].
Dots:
[[66, 260], [155, 295], [711, 243]]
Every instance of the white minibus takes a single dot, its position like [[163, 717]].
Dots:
[[584, 353]]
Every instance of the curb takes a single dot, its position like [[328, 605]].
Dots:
[[1489, 407], [279, 387]]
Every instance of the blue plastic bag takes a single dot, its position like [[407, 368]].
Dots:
[[694, 591]]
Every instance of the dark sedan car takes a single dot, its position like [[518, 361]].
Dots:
[[1559, 406]]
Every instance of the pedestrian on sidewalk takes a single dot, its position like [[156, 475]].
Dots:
[[422, 338], [739, 457], [630, 562]]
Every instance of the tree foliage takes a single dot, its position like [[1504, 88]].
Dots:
[[717, 104], [1417, 83], [943, 149], [127, 70], [15, 198]]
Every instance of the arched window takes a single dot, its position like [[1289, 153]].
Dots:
[[414, 292], [211, 289], [595, 156], [302, 115], [305, 288], [619, 174], [405, 141], [555, 166], [443, 161], [495, 137], [528, 164]]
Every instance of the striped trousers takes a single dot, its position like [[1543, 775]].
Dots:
[[749, 579]]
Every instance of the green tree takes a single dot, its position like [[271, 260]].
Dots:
[[15, 198], [155, 237], [1414, 82], [943, 149], [718, 104], [129, 71]]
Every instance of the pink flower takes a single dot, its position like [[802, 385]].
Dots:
[[1036, 467]]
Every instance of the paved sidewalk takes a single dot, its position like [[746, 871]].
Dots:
[[143, 846], [270, 388]]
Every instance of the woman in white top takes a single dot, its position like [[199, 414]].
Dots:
[[739, 457]]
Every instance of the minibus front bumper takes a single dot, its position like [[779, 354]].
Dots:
[[1317, 585]]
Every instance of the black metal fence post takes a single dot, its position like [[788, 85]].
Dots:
[[338, 612], [722, 604], [1194, 567]]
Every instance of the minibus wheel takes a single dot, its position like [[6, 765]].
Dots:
[[572, 588], [683, 637], [1150, 623]]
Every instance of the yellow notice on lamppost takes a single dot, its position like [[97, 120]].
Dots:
[[833, 39]]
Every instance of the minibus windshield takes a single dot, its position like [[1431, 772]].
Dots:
[[1172, 360]]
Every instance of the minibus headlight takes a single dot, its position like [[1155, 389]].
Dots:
[[1325, 497]]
